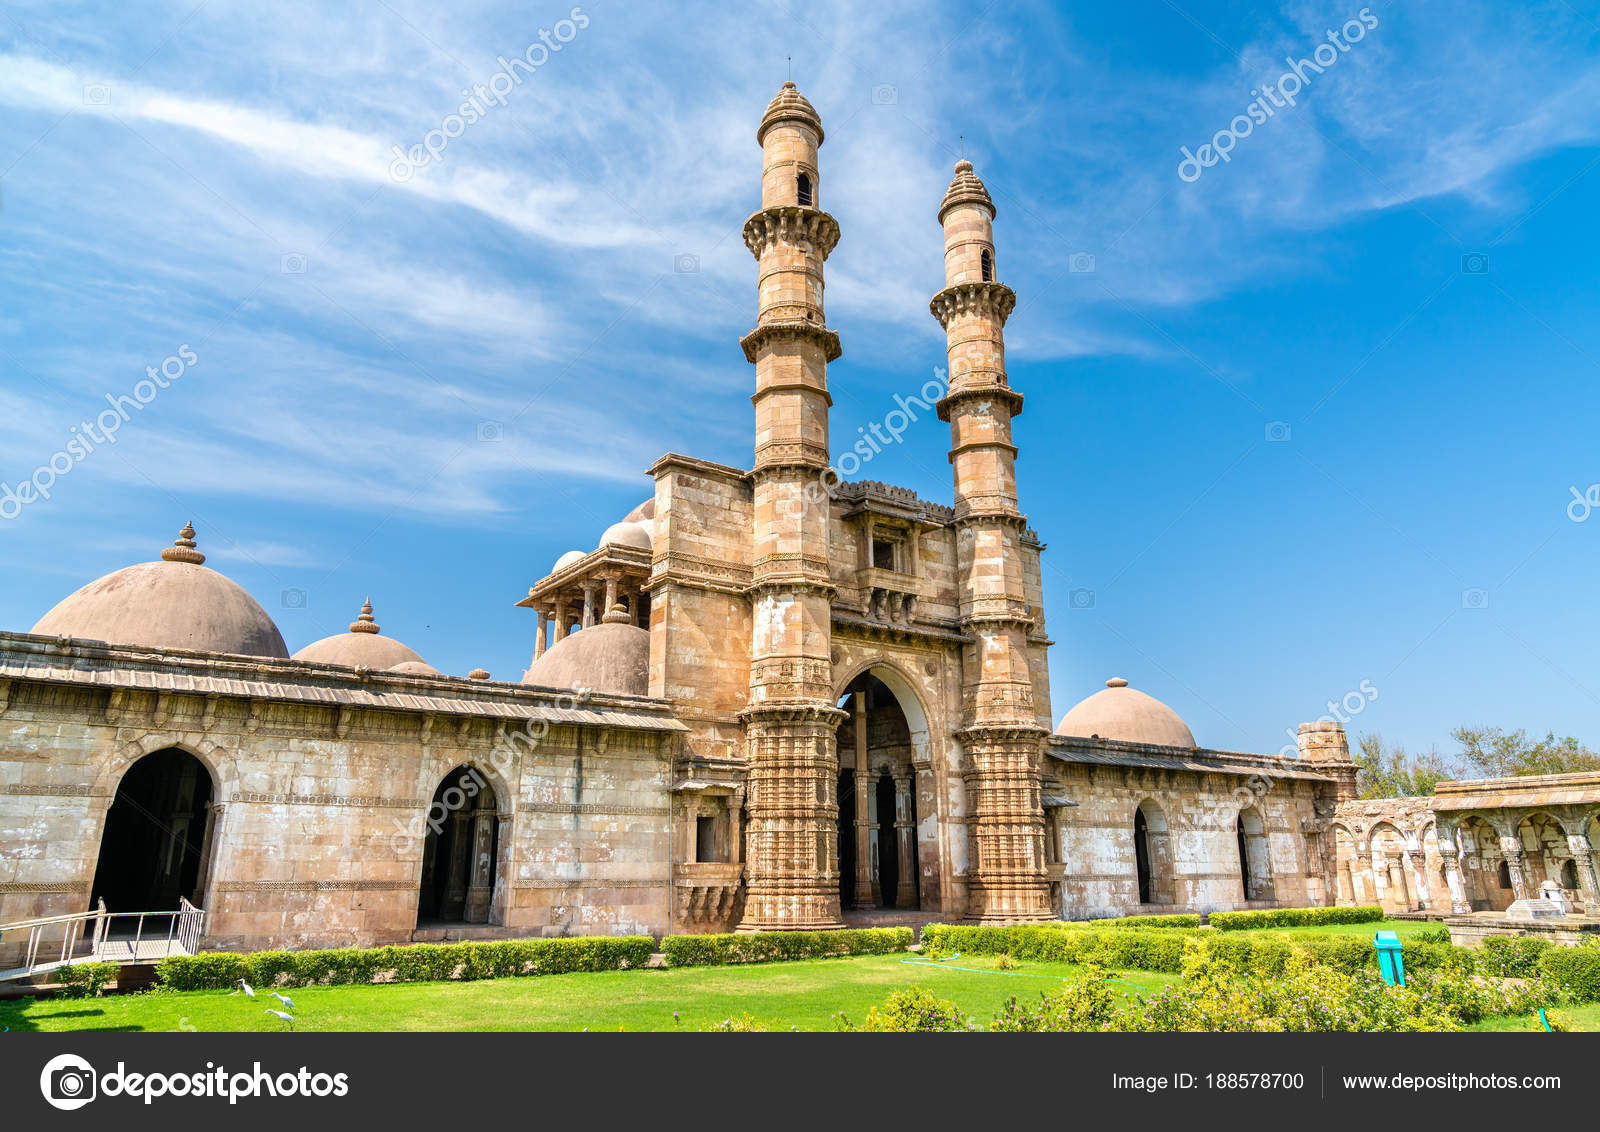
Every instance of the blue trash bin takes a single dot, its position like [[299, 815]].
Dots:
[[1391, 958]]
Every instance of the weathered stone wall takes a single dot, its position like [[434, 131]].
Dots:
[[319, 817]]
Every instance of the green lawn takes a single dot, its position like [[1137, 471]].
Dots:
[[1585, 1018], [803, 995]]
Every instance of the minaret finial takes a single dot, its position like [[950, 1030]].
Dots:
[[791, 68], [182, 549], [364, 622]]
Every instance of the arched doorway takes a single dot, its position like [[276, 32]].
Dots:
[[459, 857], [1152, 854], [1255, 864], [157, 838], [879, 861]]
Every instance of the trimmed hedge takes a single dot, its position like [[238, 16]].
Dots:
[[1162, 950], [764, 947], [411, 963], [1293, 918], [84, 980], [1176, 920], [1575, 969]]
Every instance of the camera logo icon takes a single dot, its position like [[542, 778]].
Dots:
[[68, 1082], [1080, 262], [1474, 263], [885, 94], [1279, 432], [491, 431], [294, 264], [1475, 598], [686, 264], [1081, 599], [294, 599], [97, 94]]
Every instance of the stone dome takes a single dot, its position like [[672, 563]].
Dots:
[[789, 105], [965, 188], [568, 559], [612, 658], [627, 534], [1121, 712], [414, 668], [645, 513], [363, 646], [176, 603]]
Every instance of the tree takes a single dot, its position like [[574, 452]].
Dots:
[[1491, 752], [1394, 773]]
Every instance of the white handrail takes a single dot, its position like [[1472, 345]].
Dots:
[[186, 926]]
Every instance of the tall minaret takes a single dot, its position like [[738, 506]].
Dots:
[[1002, 740], [792, 843]]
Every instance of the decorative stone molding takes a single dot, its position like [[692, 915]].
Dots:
[[47, 790], [798, 225], [994, 299], [791, 329], [365, 802], [309, 886], [43, 888], [593, 808]]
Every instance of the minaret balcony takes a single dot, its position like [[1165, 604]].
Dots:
[[794, 224]]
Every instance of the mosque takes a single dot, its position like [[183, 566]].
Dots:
[[765, 700]]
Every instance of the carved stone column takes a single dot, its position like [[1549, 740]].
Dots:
[[1397, 882], [906, 892], [1452, 877], [480, 887], [588, 605], [863, 896], [1583, 856], [611, 593], [542, 639], [562, 624], [1511, 848]]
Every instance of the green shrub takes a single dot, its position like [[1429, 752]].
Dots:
[[909, 1011], [745, 1023], [1177, 920], [764, 947], [1575, 969], [1293, 918], [1511, 956], [411, 963], [84, 980]]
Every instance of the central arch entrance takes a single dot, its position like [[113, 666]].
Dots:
[[877, 791], [458, 859], [157, 838]]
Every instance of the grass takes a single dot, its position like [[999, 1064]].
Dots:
[[803, 995], [1585, 1018]]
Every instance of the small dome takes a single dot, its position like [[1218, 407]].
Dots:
[[627, 534], [612, 658], [965, 188], [414, 668], [361, 646], [176, 603], [644, 514], [568, 559], [478, 674], [1123, 713], [789, 105]]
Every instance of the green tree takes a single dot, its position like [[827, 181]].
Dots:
[[1392, 772], [1491, 752]]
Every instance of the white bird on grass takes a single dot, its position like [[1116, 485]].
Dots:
[[287, 1003], [249, 991], [287, 1019]]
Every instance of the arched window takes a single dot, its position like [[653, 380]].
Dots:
[[803, 187], [1255, 857], [1141, 854], [987, 261]]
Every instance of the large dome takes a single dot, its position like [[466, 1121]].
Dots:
[[612, 658], [176, 603], [1121, 712], [363, 646]]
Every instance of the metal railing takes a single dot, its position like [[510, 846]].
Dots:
[[102, 936]]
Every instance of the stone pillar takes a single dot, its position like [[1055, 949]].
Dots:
[[1459, 903], [1516, 865], [588, 605], [480, 885], [906, 892], [1001, 738], [455, 881], [1418, 860], [611, 593], [540, 642], [1583, 856], [1398, 892], [863, 897], [562, 622], [790, 718]]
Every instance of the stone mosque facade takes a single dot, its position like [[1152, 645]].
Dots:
[[766, 700]]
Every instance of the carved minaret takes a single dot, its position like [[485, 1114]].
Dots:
[[792, 844], [1002, 740]]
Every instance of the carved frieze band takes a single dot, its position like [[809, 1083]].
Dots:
[[593, 808], [42, 888], [46, 790], [317, 886], [329, 800]]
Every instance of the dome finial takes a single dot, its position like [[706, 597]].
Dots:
[[364, 623], [182, 549], [617, 615], [1116, 682]]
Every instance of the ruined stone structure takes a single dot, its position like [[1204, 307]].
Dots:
[[766, 699]]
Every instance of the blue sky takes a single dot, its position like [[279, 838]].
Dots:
[[1288, 443]]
